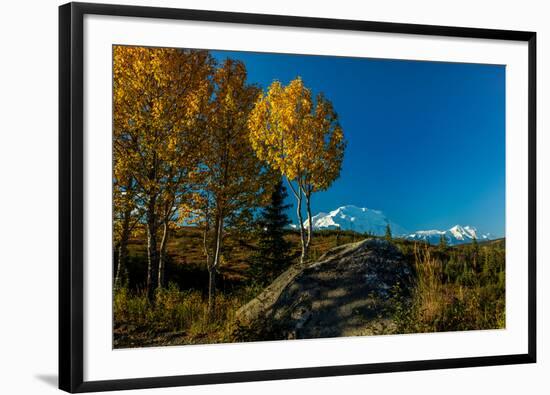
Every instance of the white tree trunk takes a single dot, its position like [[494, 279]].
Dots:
[[213, 267], [309, 222], [152, 251], [162, 255]]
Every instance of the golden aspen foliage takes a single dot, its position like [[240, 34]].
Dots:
[[233, 179], [159, 96], [300, 137]]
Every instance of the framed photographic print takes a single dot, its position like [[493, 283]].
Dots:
[[251, 197]]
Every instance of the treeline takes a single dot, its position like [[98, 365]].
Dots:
[[195, 143]]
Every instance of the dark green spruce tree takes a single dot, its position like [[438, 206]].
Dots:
[[272, 254], [442, 242], [388, 236]]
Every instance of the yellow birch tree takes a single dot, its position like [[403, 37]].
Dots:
[[125, 217], [159, 98], [301, 138], [233, 179]]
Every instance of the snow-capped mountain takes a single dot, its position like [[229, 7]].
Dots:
[[358, 219], [456, 235], [366, 220]]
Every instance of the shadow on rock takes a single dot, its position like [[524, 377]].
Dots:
[[347, 292]]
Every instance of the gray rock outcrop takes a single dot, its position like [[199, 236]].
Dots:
[[346, 292]]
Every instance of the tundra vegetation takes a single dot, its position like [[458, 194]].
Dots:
[[202, 160]]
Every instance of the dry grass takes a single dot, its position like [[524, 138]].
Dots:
[[455, 289], [177, 317], [185, 251], [473, 300]]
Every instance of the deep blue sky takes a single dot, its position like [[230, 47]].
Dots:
[[426, 140]]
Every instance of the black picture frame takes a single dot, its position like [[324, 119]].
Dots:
[[71, 223]]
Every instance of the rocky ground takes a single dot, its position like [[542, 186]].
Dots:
[[346, 292]]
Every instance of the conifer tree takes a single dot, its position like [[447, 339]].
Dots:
[[387, 236], [442, 242], [475, 254], [272, 254]]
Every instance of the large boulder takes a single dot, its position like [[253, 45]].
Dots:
[[347, 292]]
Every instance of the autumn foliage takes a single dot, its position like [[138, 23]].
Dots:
[[194, 142], [159, 96], [301, 138], [201, 158]]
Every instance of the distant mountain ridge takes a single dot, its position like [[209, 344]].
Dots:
[[358, 219], [365, 220], [456, 235]]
